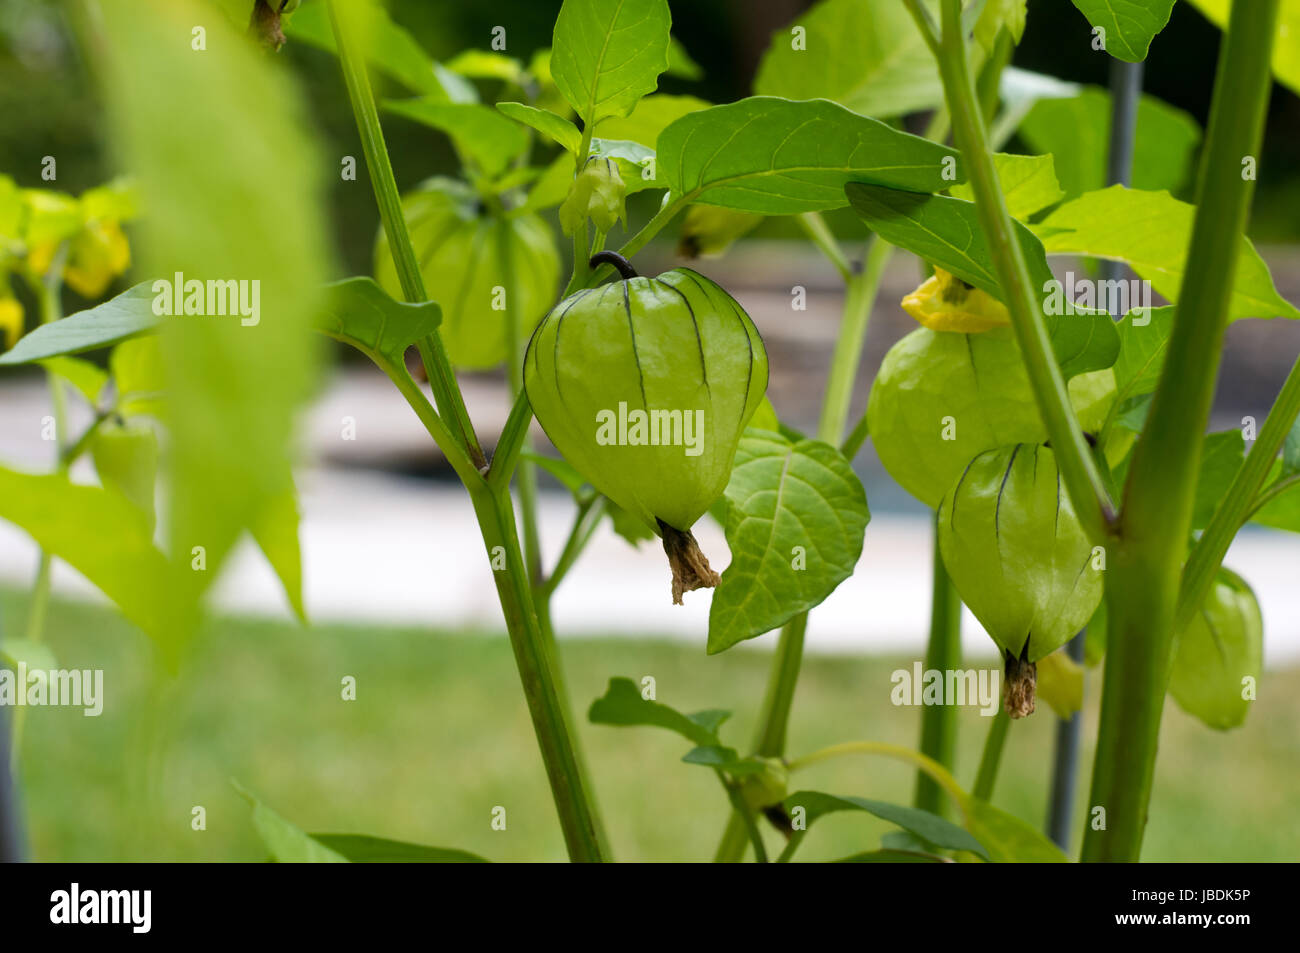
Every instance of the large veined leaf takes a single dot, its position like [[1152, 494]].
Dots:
[[389, 49], [946, 232], [622, 704], [796, 515], [931, 828], [481, 134], [129, 314], [778, 157], [233, 177], [363, 849], [358, 312], [651, 116], [107, 539], [867, 56], [1076, 131], [1286, 42], [1028, 184], [1129, 25], [607, 54], [1151, 231], [1218, 656]]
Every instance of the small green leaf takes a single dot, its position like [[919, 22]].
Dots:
[[929, 827], [363, 849], [545, 121], [622, 704], [868, 57], [89, 379], [946, 232], [607, 54], [680, 64], [723, 758], [632, 159], [288, 844], [1283, 511], [1221, 458], [358, 312], [127, 315], [1218, 656], [778, 157], [480, 134], [126, 459], [795, 521], [651, 116], [1129, 25], [140, 376], [275, 529], [1009, 839], [1028, 184], [1151, 231]]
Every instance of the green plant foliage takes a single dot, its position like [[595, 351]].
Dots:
[[623, 704], [544, 121], [1016, 552], [795, 520], [1028, 184], [1129, 25], [608, 54], [778, 157], [126, 459], [484, 137], [362, 849], [287, 843], [930, 828], [1286, 43], [127, 315], [358, 312], [1218, 657]]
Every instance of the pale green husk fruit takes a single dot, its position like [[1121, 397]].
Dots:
[[459, 251], [667, 350], [1016, 552], [1219, 649], [977, 380]]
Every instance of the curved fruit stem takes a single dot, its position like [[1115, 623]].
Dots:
[[621, 264], [1143, 579]]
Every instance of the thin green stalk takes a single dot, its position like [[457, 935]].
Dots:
[[666, 214], [746, 815], [942, 654], [1080, 472], [1242, 499], [941, 775], [991, 758], [1143, 582], [585, 521], [442, 379], [814, 226]]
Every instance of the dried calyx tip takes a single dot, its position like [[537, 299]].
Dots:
[[690, 567], [1018, 687], [618, 261]]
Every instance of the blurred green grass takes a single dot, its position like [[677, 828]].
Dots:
[[438, 736]]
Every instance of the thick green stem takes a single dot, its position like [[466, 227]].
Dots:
[[441, 377], [991, 759], [943, 654], [1242, 499], [1082, 478], [1144, 578]]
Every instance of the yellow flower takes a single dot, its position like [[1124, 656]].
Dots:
[[96, 255], [946, 303], [11, 321]]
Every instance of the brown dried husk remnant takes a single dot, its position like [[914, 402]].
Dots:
[[264, 24], [690, 567], [1018, 685]]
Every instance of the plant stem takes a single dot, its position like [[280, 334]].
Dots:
[[819, 234], [991, 759], [1082, 478], [742, 810], [941, 775], [943, 654], [1143, 581], [442, 379], [638, 241], [1242, 499]]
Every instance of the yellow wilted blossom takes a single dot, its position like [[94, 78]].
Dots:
[[96, 255], [946, 303], [11, 321]]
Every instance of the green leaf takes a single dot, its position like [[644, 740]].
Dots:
[[622, 704], [1028, 184], [946, 232], [545, 121], [1218, 656], [999, 14], [778, 157], [891, 857], [651, 116], [1143, 342], [795, 519], [1009, 840], [275, 529], [1286, 42], [358, 312], [287, 843], [1129, 25], [126, 459], [140, 376], [723, 758], [633, 161], [390, 49], [362, 849], [929, 827], [607, 54], [1221, 458], [1151, 231], [35, 655], [680, 64], [1283, 511], [235, 181], [89, 379], [1060, 683], [487, 64], [127, 315], [480, 134], [1076, 131], [551, 187], [867, 56], [106, 539]]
